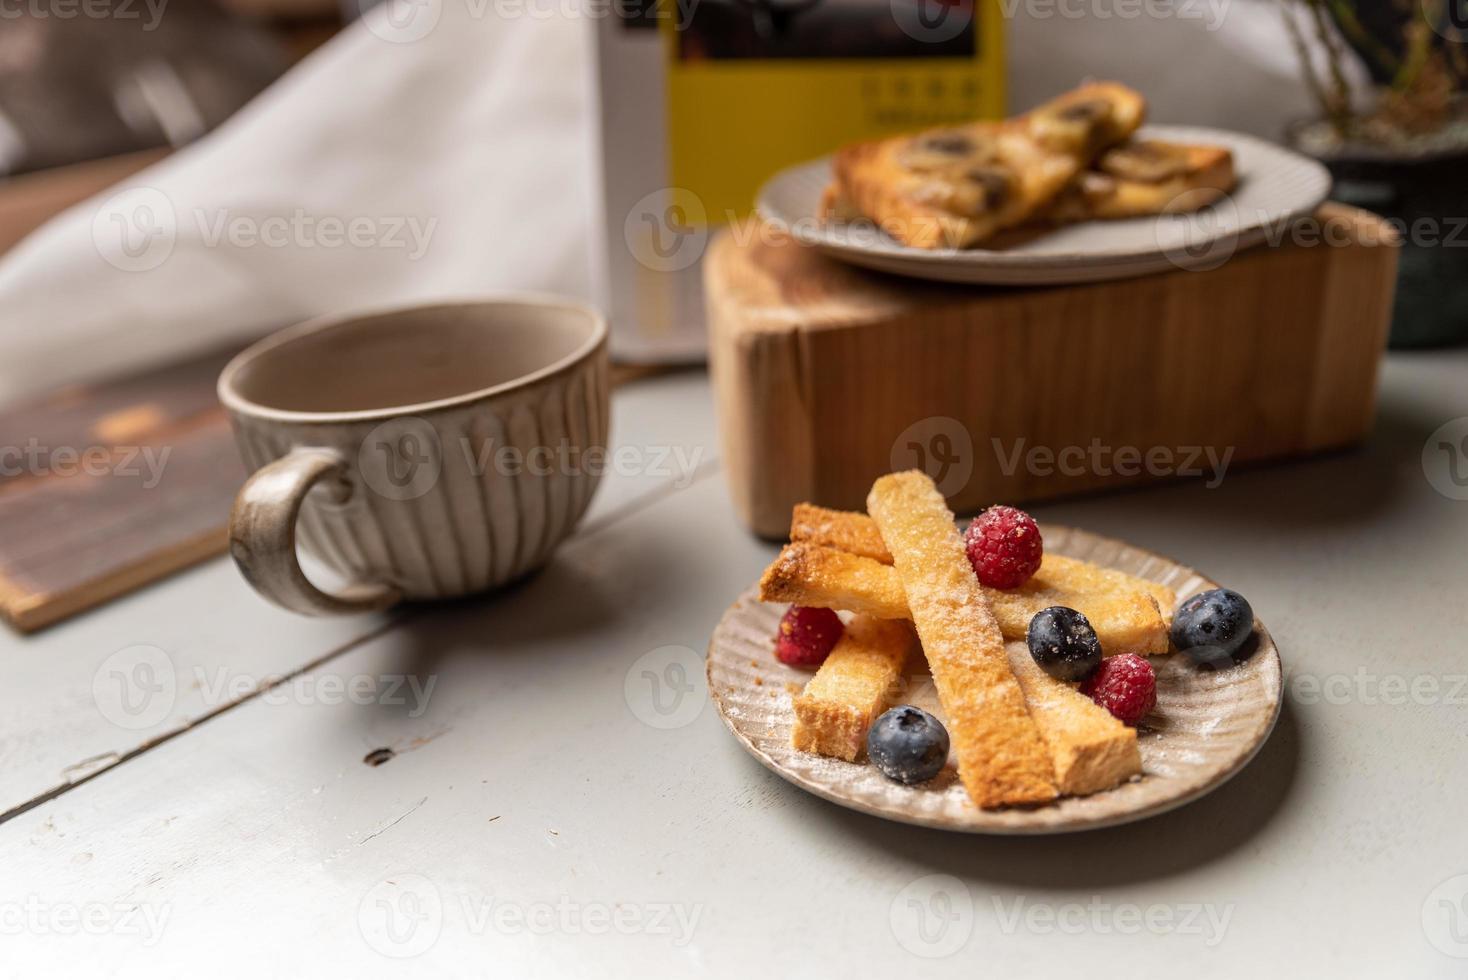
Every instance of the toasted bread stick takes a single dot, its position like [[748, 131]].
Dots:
[[857, 682], [1089, 748], [844, 530], [1126, 619], [1002, 759], [811, 575], [848, 531]]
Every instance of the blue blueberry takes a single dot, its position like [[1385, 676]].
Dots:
[[1064, 644], [908, 744], [1211, 627]]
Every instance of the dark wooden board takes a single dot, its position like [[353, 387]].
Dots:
[[152, 496], [164, 473]]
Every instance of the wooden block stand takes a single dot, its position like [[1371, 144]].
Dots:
[[827, 375]]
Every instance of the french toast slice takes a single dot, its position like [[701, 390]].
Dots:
[[805, 574], [1002, 760], [856, 533], [1126, 617], [1136, 179], [1145, 177], [955, 187], [863, 674], [856, 683], [844, 530], [1090, 749]]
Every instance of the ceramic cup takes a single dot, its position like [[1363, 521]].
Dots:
[[419, 453]]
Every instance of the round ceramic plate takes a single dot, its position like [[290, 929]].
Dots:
[[1206, 727], [1275, 185]]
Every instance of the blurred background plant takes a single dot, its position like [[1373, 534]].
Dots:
[[1389, 77], [1412, 52]]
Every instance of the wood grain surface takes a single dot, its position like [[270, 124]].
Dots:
[[107, 487], [828, 376]]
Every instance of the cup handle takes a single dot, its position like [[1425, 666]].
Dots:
[[262, 536]]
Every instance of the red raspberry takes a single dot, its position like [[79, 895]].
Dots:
[[807, 635], [1004, 546], [1125, 686]]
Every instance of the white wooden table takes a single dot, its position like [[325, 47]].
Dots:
[[185, 791]]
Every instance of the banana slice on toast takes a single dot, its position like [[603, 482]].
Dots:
[[1144, 177], [1133, 180]]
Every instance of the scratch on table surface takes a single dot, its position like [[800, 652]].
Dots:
[[45, 829], [399, 819], [418, 741], [89, 766]]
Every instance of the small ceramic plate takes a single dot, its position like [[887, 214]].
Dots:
[[1275, 185], [1206, 727]]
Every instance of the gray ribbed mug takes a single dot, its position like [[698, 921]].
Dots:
[[420, 453]]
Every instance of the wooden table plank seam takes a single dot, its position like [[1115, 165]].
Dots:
[[147, 746]]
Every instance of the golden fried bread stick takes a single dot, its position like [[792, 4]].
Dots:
[[810, 575], [1137, 611], [843, 530], [1002, 759], [849, 531], [856, 683], [1126, 620], [1089, 748]]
